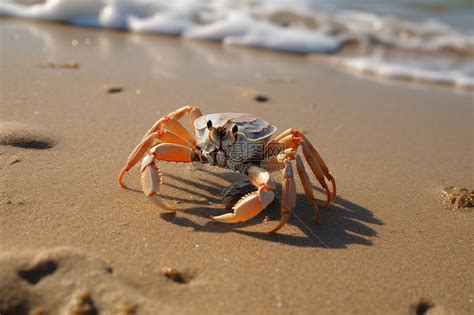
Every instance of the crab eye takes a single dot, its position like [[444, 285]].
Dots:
[[209, 124], [235, 128]]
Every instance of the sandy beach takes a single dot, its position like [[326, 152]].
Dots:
[[71, 240]]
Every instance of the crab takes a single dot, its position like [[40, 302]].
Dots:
[[238, 142]]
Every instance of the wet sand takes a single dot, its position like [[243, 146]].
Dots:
[[387, 244]]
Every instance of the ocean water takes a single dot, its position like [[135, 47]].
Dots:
[[419, 40]]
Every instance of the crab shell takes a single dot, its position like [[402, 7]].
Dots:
[[253, 133]]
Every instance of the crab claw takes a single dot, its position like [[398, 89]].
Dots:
[[251, 204], [248, 207], [151, 180]]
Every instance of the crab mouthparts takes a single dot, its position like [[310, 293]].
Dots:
[[221, 132]]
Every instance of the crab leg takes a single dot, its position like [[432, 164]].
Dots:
[[194, 113], [171, 122], [252, 204], [175, 126], [292, 138], [283, 138], [323, 166], [150, 175], [285, 133], [161, 135], [314, 165], [177, 114], [176, 134], [308, 189], [276, 162], [288, 196]]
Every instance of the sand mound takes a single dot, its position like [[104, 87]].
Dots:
[[64, 281]]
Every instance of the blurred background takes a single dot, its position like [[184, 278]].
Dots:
[[431, 41]]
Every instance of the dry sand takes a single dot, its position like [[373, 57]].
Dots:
[[72, 240]]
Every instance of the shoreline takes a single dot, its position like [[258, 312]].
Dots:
[[348, 59]]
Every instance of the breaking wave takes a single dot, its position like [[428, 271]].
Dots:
[[422, 49]]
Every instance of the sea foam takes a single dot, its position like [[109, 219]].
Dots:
[[291, 26]]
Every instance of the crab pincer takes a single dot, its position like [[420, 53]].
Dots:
[[252, 204]]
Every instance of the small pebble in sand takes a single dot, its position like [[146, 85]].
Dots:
[[114, 89], [126, 309], [457, 198], [82, 304], [175, 275], [261, 98], [52, 65], [422, 307], [37, 311]]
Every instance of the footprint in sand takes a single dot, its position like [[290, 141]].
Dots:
[[24, 136], [64, 281]]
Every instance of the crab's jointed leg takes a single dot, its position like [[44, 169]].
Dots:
[[288, 195], [140, 150], [313, 164], [276, 162], [320, 160], [252, 204], [176, 133], [308, 189], [150, 175], [293, 138], [171, 122]]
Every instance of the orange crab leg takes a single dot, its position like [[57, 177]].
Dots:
[[288, 196], [276, 162], [308, 189], [314, 165], [320, 160], [194, 113], [291, 138], [286, 133], [290, 141], [177, 114], [176, 134], [175, 126], [144, 145], [171, 152]]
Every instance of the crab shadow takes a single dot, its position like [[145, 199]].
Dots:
[[343, 223]]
